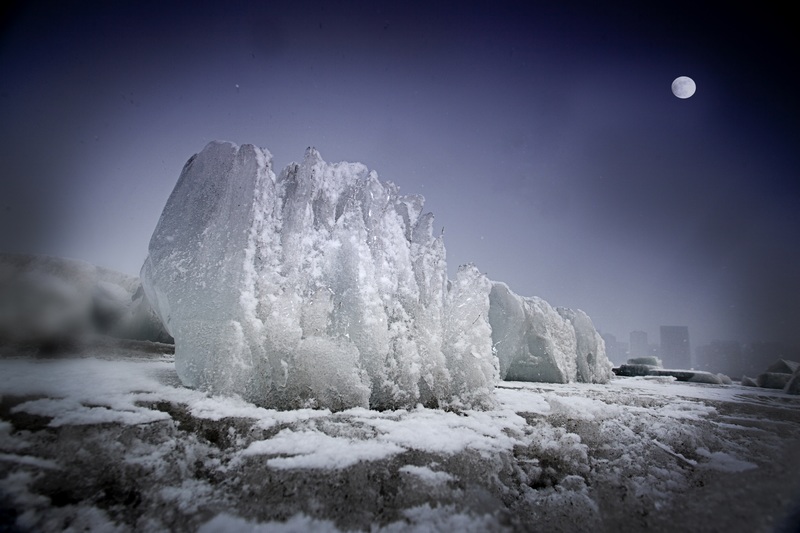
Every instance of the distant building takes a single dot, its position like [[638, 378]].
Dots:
[[675, 349], [639, 346]]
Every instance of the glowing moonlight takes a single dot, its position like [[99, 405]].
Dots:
[[683, 87]]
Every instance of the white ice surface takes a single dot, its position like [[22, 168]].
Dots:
[[91, 391], [641, 420]]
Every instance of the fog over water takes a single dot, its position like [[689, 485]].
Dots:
[[545, 139]]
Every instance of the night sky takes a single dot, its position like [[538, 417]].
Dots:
[[544, 136]]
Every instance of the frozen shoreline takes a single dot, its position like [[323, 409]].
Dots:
[[120, 445]]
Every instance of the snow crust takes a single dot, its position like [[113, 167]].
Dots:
[[426, 474], [320, 287], [299, 523], [556, 454], [309, 449], [421, 519]]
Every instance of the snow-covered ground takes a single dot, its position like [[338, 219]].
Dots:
[[120, 445]]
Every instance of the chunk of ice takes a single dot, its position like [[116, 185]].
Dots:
[[325, 287], [535, 342], [320, 287]]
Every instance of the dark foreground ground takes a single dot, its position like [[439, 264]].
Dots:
[[119, 445]]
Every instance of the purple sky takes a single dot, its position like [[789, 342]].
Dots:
[[545, 138]]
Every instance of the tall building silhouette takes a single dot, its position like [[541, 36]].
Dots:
[[675, 349]]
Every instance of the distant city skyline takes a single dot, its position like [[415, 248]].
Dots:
[[728, 356]]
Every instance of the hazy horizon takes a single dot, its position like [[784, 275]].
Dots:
[[545, 139]]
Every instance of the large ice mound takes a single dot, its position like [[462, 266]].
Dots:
[[322, 287], [326, 287]]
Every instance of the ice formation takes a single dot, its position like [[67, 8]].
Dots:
[[48, 303], [322, 286], [782, 374], [535, 342], [325, 287]]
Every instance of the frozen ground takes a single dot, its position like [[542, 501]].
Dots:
[[120, 445]]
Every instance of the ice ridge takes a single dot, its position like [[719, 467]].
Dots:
[[325, 287]]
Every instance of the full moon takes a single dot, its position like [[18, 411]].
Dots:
[[683, 87]]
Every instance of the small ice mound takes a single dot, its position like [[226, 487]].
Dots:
[[773, 380], [782, 374], [700, 376], [649, 360], [747, 381], [536, 342], [661, 379]]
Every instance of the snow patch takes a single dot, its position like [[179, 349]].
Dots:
[[426, 474], [724, 462], [311, 449], [299, 523]]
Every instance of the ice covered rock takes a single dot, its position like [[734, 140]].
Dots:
[[639, 366], [649, 360], [747, 381], [535, 342], [632, 370], [793, 386], [782, 374], [322, 286], [773, 380], [700, 376], [783, 366]]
